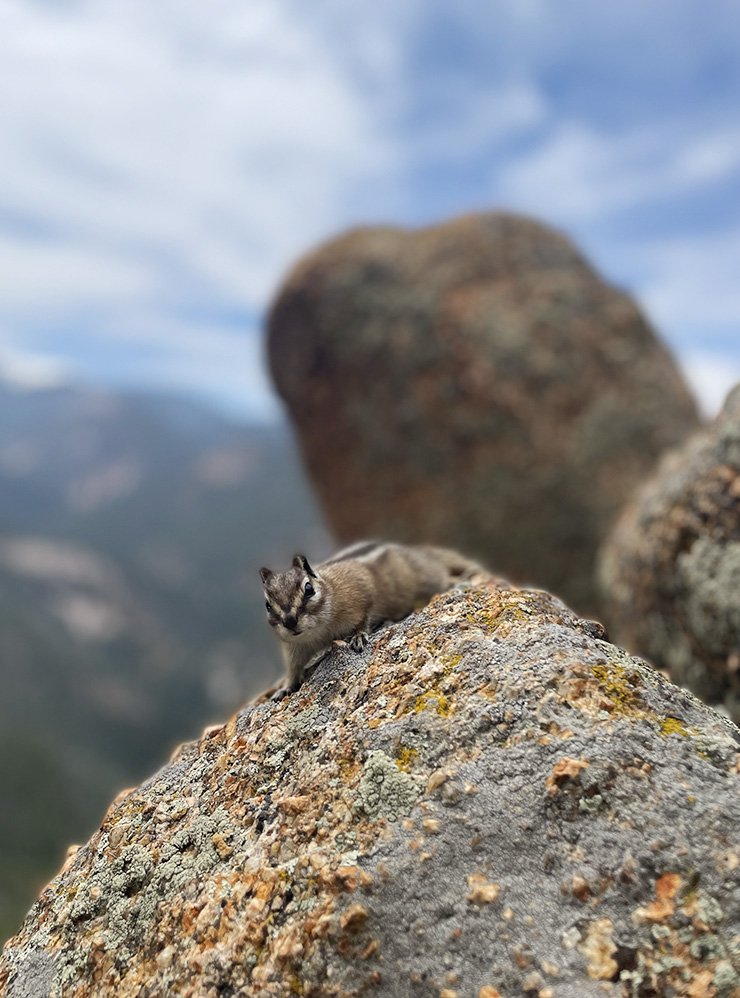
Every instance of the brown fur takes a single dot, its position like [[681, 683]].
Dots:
[[353, 593]]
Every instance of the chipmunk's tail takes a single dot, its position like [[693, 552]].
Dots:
[[458, 565]]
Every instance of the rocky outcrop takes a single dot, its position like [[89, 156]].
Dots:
[[490, 800], [670, 570], [475, 384]]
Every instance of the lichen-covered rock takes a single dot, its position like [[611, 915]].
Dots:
[[670, 570], [490, 800], [477, 385]]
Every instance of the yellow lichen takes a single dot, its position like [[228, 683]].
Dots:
[[434, 700], [618, 686], [672, 726], [405, 757], [347, 767], [507, 608]]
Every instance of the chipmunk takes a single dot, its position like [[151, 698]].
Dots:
[[351, 594]]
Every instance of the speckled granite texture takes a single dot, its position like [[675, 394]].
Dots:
[[475, 384], [490, 800], [670, 570]]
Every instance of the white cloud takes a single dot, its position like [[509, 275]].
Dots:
[[576, 174], [205, 144], [28, 371], [711, 375], [478, 123], [49, 276], [691, 284]]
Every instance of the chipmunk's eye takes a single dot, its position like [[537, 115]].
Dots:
[[308, 589], [267, 604]]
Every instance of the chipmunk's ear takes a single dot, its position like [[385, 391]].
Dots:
[[265, 574], [301, 561]]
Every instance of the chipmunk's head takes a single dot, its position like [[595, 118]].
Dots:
[[294, 600]]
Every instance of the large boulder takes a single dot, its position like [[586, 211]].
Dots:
[[478, 385], [490, 800], [670, 570]]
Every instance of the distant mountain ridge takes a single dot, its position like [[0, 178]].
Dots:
[[131, 530]]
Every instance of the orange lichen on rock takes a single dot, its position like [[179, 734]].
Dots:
[[580, 888], [482, 890], [565, 769], [599, 948], [666, 888]]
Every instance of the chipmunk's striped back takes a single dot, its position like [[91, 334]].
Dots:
[[352, 593]]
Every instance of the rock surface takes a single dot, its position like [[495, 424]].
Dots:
[[477, 385], [490, 800], [670, 570]]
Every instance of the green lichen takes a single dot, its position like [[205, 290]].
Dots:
[[279, 752], [708, 910], [305, 722], [591, 805], [120, 878], [665, 964], [706, 946], [725, 977], [384, 790], [124, 892]]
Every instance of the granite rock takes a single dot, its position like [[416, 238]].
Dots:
[[490, 800], [478, 385], [670, 569]]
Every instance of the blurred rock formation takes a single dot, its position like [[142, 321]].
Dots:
[[490, 800], [474, 384], [670, 570]]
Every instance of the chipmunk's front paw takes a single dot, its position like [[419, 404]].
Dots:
[[358, 642]]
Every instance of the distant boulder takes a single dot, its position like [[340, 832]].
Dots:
[[474, 384], [489, 801], [670, 570]]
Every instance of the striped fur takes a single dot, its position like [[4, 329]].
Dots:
[[351, 594]]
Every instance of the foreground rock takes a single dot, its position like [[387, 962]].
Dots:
[[478, 385], [670, 570], [491, 800]]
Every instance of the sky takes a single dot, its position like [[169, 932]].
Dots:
[[163, 164]]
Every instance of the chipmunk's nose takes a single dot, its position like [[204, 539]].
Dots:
[[290, 622]]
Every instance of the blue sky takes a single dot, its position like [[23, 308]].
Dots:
[[164, 163]]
